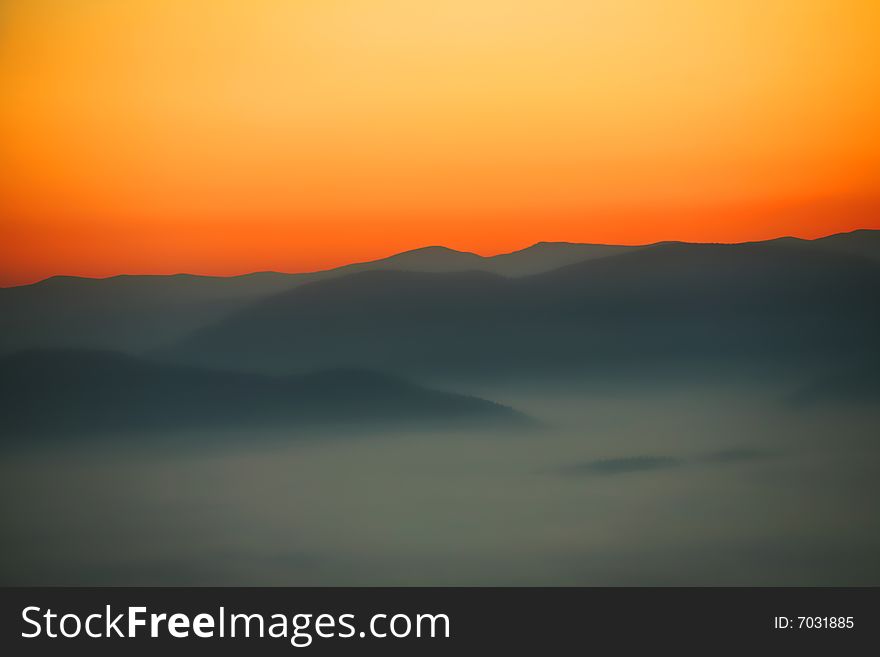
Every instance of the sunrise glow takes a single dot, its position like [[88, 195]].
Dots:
[[227, 136]]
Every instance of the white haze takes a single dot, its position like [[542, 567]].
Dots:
[[688, 486]]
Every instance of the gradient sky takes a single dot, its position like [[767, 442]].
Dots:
[[226, 136]]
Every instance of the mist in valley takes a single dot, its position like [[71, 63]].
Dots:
[[690, 484]]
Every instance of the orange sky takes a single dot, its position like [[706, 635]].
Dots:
[[226, 136]]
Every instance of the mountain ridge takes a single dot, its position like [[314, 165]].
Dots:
[[665, 303], [142, 313], [50, 392], [872, 233]]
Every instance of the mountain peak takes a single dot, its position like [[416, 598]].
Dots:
[[432, 249], [425, 259]]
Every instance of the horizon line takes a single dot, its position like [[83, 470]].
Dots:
[[426, 247]]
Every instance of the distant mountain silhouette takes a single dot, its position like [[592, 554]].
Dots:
[[858, 242], [143, 313], [70, 392], [123, 312], [137, 313], [436, 259], [535, 259], [672, 303], [547, 256]]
